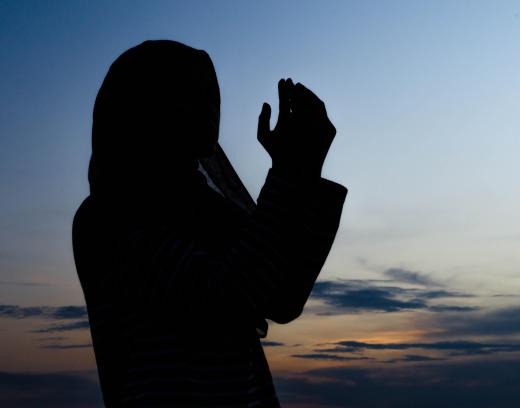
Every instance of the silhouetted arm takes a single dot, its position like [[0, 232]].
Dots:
[[315, 221], [267, 271]]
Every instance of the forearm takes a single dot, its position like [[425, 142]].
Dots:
[[314, 224]]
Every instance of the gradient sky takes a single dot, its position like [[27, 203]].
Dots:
[[419, 297]]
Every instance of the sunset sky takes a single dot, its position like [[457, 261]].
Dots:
[[418, 303]]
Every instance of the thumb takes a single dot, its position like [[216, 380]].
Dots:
[[263, 123]]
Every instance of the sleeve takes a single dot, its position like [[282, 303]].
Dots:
[[268, 270], [314, 224]]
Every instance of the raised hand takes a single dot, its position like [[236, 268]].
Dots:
[[300, 141]]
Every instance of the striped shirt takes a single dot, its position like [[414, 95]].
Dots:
[[177, 310]]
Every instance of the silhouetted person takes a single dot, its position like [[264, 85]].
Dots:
[[179, 279]]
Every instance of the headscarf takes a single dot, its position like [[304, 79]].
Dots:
[[155, 143], [155, 125]]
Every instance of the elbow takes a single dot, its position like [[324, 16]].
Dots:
[[285, 313]]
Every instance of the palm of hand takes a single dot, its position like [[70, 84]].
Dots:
[[303, 133]]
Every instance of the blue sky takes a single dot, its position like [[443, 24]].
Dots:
[[424, 96]]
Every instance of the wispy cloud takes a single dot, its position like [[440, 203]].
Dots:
[[499, 322], [453, 348], [413, 358], [323, 356], [272, 344], [66, 346], [452, 308], [412, 277], [47, 312], [82, 324], [358, 296]]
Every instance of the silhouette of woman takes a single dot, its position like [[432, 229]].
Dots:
[[179, 279]]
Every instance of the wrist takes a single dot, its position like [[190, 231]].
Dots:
[[297, 173]]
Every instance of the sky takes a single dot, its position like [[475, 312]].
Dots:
[[418, 303]]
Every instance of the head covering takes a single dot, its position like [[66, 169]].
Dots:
[[155, 124], [222, 174]]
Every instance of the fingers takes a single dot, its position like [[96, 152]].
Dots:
[[304, 100], [263, 123], [305, 103], [283, 96]]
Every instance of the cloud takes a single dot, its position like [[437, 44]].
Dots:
[[69, 312], [406, 276], [499, 322], [452, 308], [272, 344], [357, 296], [413, 358], [66, 346], [82, 324], [452, 348], [439, 294], [78, 313], [320, 356], [353, 296], [462, 385], [45, 312], [49, 390]]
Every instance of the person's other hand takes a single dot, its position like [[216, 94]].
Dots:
[[300, 141]]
